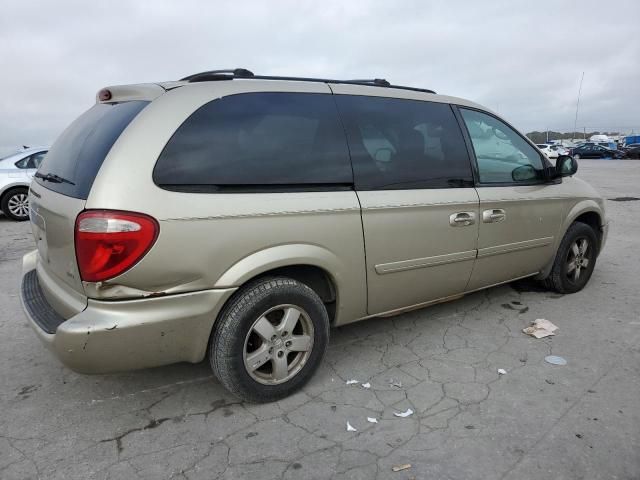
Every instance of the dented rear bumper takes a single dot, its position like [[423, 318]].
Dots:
[[110, 336]]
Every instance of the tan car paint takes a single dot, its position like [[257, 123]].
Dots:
[[211, 244]]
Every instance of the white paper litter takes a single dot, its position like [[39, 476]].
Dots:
[[555, 360], [502, 371], [404, 414], [350, 428], [399, 468], [372, 420], [366, 385], [393, 383], [540, 328], [351, 382]]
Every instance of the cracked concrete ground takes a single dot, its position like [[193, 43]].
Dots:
[[581, 420]]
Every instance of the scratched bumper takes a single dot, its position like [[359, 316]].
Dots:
[[111, 336]]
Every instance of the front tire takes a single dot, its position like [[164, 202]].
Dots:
[[269, 339], [575, 260], [15, 204]]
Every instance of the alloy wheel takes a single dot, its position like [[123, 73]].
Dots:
[[578, 259], [18, 205], [278, 344]]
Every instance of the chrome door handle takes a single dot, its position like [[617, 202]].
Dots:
[[494, 215], [462, 219]]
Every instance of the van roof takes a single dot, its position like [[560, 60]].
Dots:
[[150, 91]]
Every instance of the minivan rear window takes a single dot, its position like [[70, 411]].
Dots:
[[78, 153], [257, 142]]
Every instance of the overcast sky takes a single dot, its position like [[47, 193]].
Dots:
[[522, 59]]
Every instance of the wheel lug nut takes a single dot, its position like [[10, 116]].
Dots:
[[288, 344], [280, 353], [285, 333], [273, 338], [271, 350]]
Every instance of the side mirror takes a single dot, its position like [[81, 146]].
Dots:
[[525, 173], [566, 166]]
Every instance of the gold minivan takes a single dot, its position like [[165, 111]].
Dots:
[[241, 216]]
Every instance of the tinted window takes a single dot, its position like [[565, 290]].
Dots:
[[502, 155], [36, 160], [79, 152], [257, 139], [32, 161], [402, 144]]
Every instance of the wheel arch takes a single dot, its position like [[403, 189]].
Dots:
[[586, 211], [312, 265], [12, 186]]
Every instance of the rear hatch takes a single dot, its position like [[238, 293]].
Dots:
[[59, 193]]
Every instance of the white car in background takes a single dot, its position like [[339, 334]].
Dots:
[[16, 172], [548, 150]]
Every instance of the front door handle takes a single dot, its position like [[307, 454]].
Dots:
[[462, 219], [494, 215]]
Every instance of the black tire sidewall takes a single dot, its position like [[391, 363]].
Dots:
[[5, 204], [560, 280], [230, 331]]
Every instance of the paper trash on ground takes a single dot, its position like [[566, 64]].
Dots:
[[404, 414], [540, 328], [399, 468], [366, 385], [350, 428], [372, 420], [351, 382], [555, 360], [502, 371]]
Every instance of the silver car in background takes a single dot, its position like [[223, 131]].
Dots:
[[16, 172]]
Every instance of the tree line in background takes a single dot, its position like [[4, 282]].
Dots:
[[541, 137]]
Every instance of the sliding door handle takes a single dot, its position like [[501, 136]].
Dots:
[[494, 215], [462, 219]]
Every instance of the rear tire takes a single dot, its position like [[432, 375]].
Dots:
[[15, 204], [269, 339], [575, 260]]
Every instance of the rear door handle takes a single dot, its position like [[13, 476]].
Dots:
[[494, 215], [462, 219]]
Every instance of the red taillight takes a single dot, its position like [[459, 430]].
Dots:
[[109, 243]]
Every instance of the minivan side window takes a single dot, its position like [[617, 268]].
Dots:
[[502, 155], [257, 140], [404, 144]]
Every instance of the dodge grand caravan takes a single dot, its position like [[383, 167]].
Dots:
[[239, 216]]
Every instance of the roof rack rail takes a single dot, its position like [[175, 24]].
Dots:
[[230, 74], [376, 81], [218, 75]]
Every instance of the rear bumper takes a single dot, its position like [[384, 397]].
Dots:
[[111, 336]]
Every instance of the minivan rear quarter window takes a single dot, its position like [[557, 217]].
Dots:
[[78, 153], [257, 141]]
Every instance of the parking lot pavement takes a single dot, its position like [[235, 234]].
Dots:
[[581, 420]]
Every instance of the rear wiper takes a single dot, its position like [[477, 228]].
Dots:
[[52, 177]]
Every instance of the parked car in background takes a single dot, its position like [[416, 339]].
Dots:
[[241, 216], [590, 150], [560, 149], [548, 150], [632, 151], [16, 172], [624, 148]]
